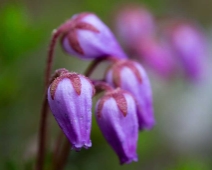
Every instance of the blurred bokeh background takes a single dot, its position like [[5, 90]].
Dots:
[[182, 138]]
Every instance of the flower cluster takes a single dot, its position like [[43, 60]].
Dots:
[[126, 104], [167, 46]]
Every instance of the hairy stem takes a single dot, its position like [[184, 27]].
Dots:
[[101, 86], [66, 147], [57, 147], [44, 111], [63, 156], [49, 61], [42, 135], [96, 62]]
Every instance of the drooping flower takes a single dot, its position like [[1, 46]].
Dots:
[[130, 76], [157, 55], [134, 23], [70, 100], [189, 45], [88, 38], [116, 117]]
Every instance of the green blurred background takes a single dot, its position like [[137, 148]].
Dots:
[[182, 138]]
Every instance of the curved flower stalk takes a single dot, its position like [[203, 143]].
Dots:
[[130, 76], [70, 94], [189, 45], [70, 100], [116, 117], [133, 23], [84, 36], [89, 38]]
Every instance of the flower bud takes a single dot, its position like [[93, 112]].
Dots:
[[130, 76], [116, 117], [70, 100], [189, 45], [89, 38], [157, 55], [133, 23]]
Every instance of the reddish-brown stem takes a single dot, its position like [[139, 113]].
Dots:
[[42, 135], [55, 36], [96, 62], [101, 86], [57, 147], [59, 164], [61, 30], [62, 158], [44, 111]]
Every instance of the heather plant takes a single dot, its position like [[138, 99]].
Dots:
[[125, 98], [126, 104], [98, 99]]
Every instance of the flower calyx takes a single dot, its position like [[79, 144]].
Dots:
[[72, 27], [118, 95], [117, 68], [73, 77]]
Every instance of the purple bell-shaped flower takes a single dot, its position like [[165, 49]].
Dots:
[[189, 44], [88, 37], [133, 23], [130, 76], [70, 100], [157, 55], [116, 117]]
